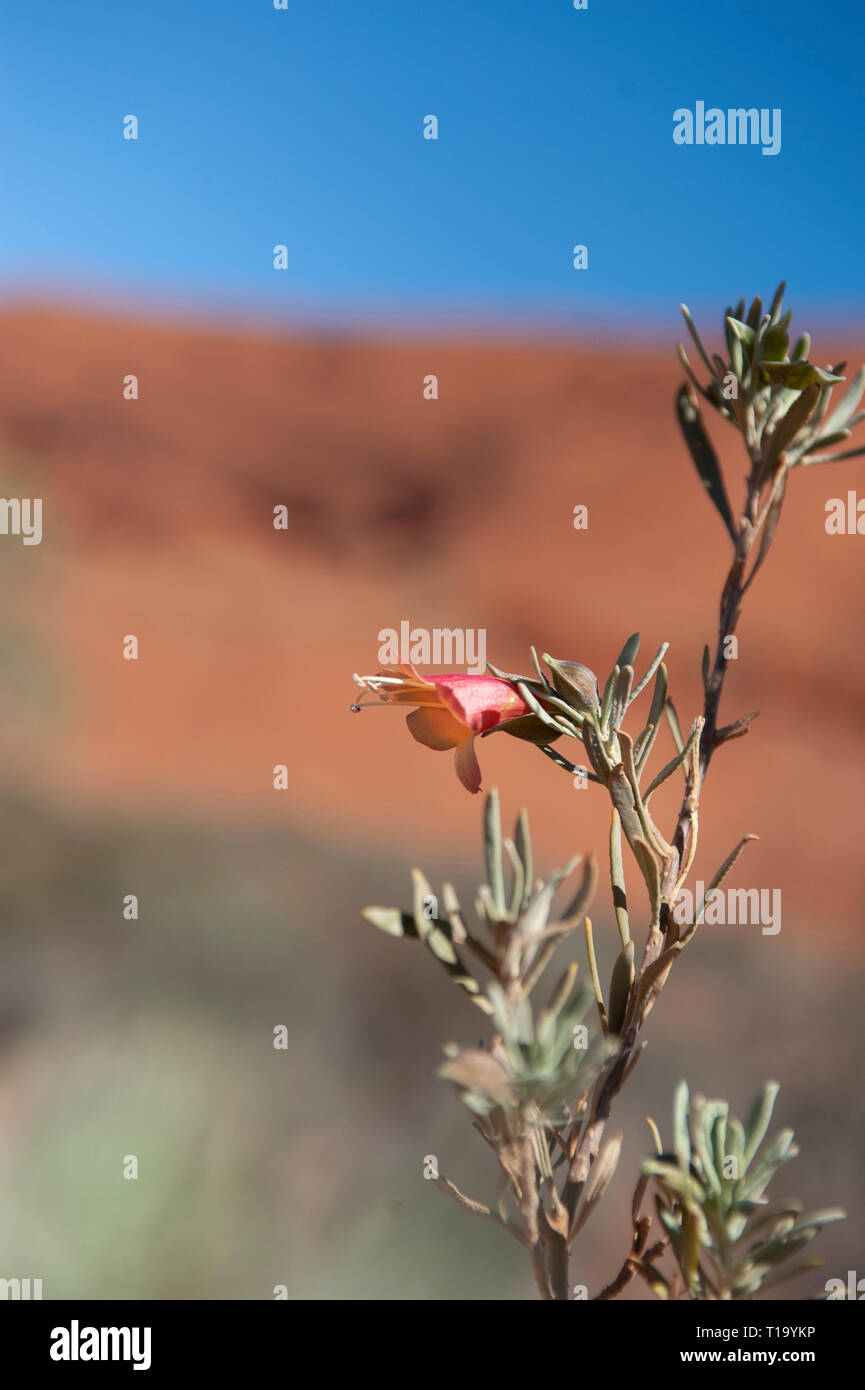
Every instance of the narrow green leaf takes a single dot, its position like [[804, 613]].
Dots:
[[390, 920], [654, 976], [622, 797], [686, 314], [645, 743], [628, 655], [673, 721], [703, 455], [607, 697], [681, 1133], [826, 441], [719, 1139], [789, 425], [774, 345], [595, 749], [736, 1143], [780, 1151], [777, 301], [493, 851], [745, 332], [650, 671], [797, 375], [620, 987], [651, 875], [595, 977], [759, 1118], [518, 889], [722, 873], [703, 1120], [523, 841], [832, 458], [847, 405], [671, 766], [617, 878], [588, 885], [621, 696]]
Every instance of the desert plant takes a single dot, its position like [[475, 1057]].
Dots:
[[542, 1093]]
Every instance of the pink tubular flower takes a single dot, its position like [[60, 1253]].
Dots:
[[451, 710]]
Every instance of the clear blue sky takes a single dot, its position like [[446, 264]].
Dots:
[[304, 126]]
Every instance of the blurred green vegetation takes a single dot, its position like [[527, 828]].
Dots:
[[304, 1167]]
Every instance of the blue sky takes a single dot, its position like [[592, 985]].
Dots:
[[304, 127]]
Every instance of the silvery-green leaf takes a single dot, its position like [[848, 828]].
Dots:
[[493, 850], [745, 332], [549, 1017], [579, 904], [670, 767], [650, 671], [621, 696], [718, 878], [628, 655], [673, 721], [777, 301], [736, 1143], [620, 986], [797, 375], [696, 337], [644, 744], [847, 405], [774, 345], [719, 1139], [736, 351], [390, 920], [826, 441], [617, 878], [595, 749], [706, 1113], [832, 458], [681, 1134], [759, 1118], [703, 455], [755, 313], [523, 841], [789, 425]]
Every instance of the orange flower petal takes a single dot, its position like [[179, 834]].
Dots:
[[468, 770], [435, 728]]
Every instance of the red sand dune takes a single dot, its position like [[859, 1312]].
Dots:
[[452, 513]]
